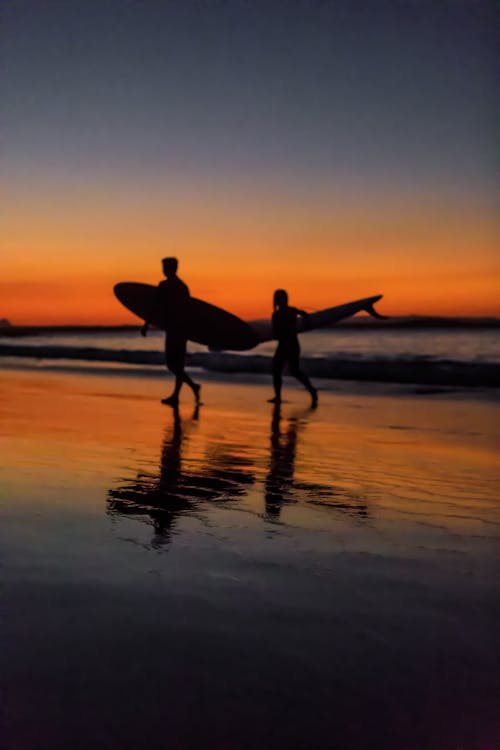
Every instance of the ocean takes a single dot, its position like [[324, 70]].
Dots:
[[426, 356]]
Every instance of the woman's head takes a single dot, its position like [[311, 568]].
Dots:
[[280, 298]]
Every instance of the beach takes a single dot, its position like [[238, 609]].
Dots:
[[240, 576]]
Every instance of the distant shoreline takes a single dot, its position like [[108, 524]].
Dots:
[[363, 322]]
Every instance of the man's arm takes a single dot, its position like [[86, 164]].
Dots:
[[161, 306]]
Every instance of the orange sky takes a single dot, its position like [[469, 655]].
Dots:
[[65, 249], [334, 150]]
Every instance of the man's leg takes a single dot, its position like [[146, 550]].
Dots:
[[176, 357], [184, 377], [172, 353]]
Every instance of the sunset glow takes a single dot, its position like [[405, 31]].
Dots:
[[167, 136], [420, 258]]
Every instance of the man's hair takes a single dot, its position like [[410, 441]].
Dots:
[[170, 264]]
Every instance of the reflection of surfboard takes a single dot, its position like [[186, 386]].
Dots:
[[203, 323], [322, 318]]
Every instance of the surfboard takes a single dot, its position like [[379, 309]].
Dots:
[[204, 323], [218, 329], [321, 318]]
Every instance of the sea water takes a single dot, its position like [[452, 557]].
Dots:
[[464, 344], [433, 356]]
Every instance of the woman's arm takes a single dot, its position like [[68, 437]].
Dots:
[[305, 317], [274, 327]]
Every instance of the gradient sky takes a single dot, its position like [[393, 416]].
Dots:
[[338, 149]]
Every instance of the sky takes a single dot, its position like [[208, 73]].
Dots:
[[336, 149]]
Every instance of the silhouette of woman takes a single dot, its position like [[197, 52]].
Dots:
[[284, 322]]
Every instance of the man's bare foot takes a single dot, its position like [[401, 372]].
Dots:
[[314, 398], [275, 400], [171, 400], [196, 391]]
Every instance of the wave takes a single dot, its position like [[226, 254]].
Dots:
[[419, 370]]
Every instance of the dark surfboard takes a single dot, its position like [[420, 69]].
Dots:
[[204, 323], [327, 317]]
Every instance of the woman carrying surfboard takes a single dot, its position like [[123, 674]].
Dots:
[[284, 324]]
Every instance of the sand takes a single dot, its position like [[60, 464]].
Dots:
[[243, 578]]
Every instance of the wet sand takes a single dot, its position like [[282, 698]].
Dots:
[[243, 578]]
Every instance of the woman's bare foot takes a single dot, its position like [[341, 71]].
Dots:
[[171, 400]]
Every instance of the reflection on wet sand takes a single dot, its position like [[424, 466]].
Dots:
[[222, 473], [324, 628], [281, 488], [175, 491]]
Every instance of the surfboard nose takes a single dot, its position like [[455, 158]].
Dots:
[[118, 288]]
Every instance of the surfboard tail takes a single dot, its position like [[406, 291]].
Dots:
[[370, 309]]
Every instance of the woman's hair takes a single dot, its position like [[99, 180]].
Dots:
[[280, 298]]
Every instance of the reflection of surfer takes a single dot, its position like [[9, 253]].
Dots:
[[181, 484], [281, 487], [162, 497], [284, 323], [173, 300], [280, 478]]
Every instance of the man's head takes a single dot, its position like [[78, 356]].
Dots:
[[169, 266]]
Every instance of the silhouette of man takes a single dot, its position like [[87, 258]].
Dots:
[[173, 299], [284, 322]]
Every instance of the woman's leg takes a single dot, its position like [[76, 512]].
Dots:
[[278, 364], [295, 370], [195, 387]]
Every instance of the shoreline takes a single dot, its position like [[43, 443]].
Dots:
[[417, 370], [264, 380]]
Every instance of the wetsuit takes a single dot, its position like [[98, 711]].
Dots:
[[284, 323], [173, 301]]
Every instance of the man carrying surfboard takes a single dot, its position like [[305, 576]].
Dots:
[[173, 302], [284, 326]]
